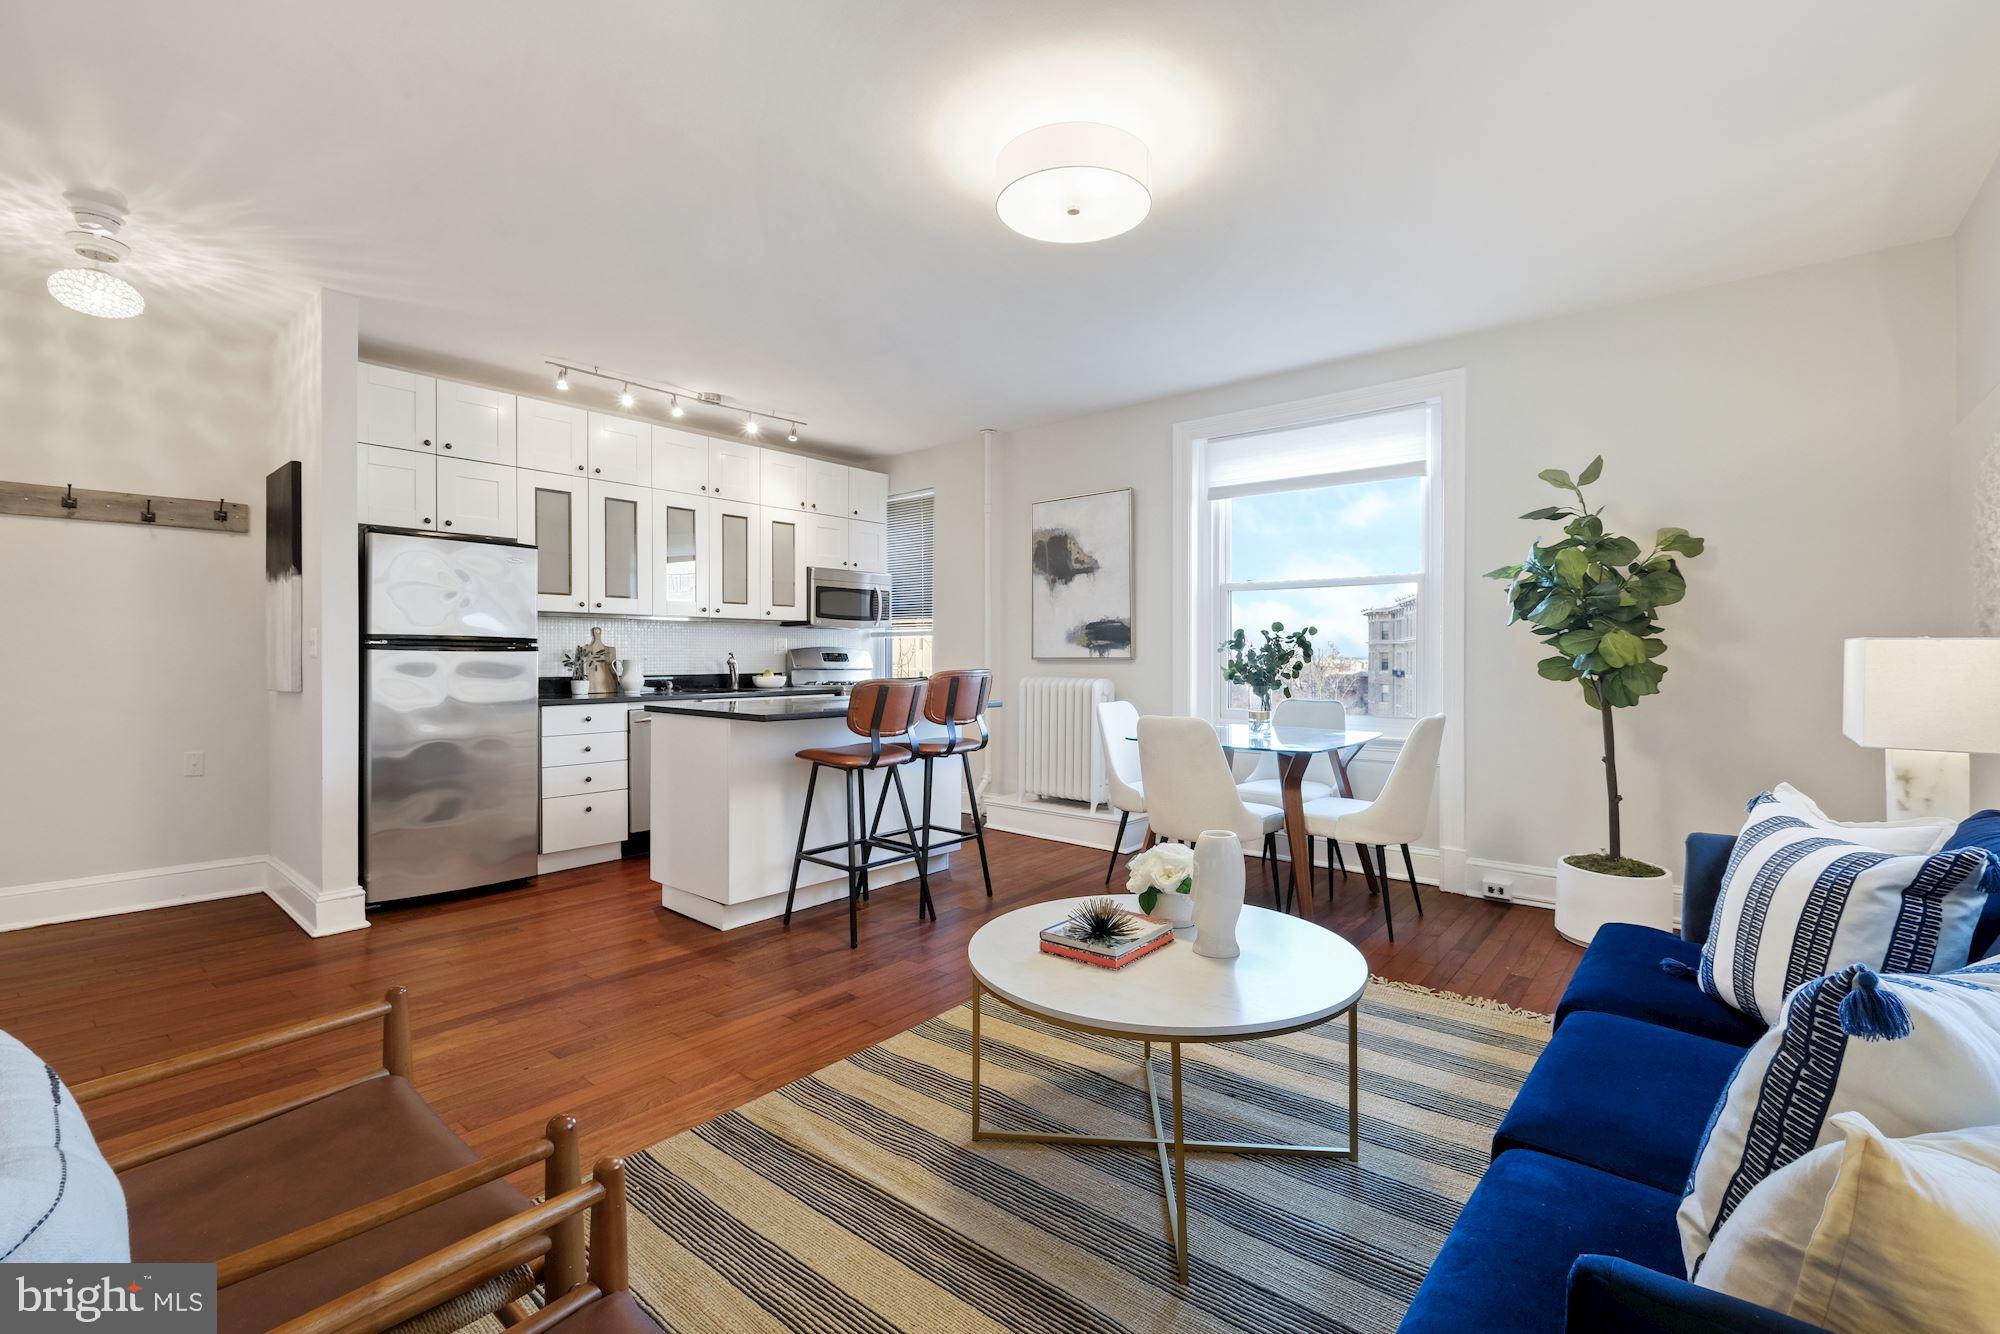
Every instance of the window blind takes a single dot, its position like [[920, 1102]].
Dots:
[[910, 549], [1395, 443]]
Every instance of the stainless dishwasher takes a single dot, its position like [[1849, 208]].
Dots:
[[639, 769]]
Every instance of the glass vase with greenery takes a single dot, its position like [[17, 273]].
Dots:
[[1270, 666], [1593, 598]]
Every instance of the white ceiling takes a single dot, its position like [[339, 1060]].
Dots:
[[791, 202]]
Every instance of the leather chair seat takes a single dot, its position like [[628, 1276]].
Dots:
[[857, 756], [301, 1168], [933, 748]]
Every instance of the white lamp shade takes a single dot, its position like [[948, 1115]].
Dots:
[[1072, 182], [1923, 694]]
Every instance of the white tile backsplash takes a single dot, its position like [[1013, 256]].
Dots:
[[677, 647]]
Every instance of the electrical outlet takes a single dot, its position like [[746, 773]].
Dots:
[[778, 645], [1498, 886], [194, 764]]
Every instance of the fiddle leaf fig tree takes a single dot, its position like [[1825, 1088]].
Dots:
[[1593, 598]]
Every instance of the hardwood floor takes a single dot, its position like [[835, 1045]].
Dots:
[[582, 995]]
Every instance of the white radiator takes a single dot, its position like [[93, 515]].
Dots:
[[1060, 756]]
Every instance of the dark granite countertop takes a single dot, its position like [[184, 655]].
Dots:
[[657, 697], [766, 710]]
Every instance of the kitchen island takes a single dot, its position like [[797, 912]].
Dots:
[[728, 789]]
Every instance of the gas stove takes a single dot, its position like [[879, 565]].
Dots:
[[839, 668]]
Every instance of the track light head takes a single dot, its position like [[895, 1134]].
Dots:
[[562, 379], [792, 436], [675, 409], [625, 396], [749, 424]]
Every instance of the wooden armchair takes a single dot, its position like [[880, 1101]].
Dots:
[[597, 1302], [310, 1196]]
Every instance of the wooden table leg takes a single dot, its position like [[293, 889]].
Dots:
[[1292, 775]]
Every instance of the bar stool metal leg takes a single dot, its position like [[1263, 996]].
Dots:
[[924, 904], [799, 855], [853, 873], [978, 825]]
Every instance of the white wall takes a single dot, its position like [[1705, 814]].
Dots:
[[1800, 422], [126, 646], [1975, 455], [1977, 248]]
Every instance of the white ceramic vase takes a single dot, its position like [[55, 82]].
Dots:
[[1176, 910], [1218, 893]]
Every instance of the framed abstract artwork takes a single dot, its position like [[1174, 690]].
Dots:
[[1082, 572], [284, 587]]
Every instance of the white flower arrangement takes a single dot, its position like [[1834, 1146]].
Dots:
[[1160, 868]]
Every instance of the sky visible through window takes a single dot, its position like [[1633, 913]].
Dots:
[[1336, 532]]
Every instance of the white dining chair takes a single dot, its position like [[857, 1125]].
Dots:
[[1117, 723], [1262, 786], [1395, 817], [1190, 789]]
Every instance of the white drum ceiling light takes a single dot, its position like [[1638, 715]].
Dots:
[[92, 291], [1073, 182]]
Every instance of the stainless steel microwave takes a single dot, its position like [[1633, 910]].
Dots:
[[848, 599]]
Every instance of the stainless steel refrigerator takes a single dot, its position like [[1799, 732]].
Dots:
[[451, 729]]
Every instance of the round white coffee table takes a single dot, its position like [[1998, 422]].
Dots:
[[1291, 974]]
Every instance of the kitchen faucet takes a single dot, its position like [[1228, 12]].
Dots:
[[731, 663]]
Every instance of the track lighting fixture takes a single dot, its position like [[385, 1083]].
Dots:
[[628, 398]]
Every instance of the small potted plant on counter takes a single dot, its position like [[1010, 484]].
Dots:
[[580, 660], [1592, 597], [1272, 666], [1163, 878]]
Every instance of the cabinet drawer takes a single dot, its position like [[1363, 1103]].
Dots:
[[576, 780], [582, 822], [575, 719], [587, 748]]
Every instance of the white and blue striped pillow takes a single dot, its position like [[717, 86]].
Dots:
[[1800, 899], [1914, 1054]]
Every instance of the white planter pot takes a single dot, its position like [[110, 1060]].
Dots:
[[1586, 900], [579, 686], [1176, 910], [1218, 893]]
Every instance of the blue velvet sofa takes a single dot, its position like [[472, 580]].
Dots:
[[1572, 1227]]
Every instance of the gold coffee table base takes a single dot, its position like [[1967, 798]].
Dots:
[[1172, 1150]]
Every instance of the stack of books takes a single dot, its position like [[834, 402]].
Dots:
[[1061, 939]]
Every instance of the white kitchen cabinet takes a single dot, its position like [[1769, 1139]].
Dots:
[[683, 550], [621, 548], [620, 450], [784, 481], [583, 822], [554, 514], [585, 747], [826, 487], [868, 495], [395, 409], [552, 437], [826, 540], [397, 488], [475, 423], [680, 461], [735, 471], [581, 780], [477, 499], [736, 573], [784, 543], [868, 546]]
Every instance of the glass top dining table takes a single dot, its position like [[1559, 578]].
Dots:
[[1294, 748]]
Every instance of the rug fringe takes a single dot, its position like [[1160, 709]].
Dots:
[[1476, 1002]]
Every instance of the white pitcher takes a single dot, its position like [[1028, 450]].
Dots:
[[631, 676], [1218, 893]]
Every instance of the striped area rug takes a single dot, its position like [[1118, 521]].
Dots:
[[854, 1200]]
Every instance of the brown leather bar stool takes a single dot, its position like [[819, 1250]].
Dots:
[[956, 699], [884, 712]]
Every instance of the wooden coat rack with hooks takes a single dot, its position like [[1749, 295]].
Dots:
[[67, 502]]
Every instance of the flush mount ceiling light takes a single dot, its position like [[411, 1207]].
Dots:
[[1074, 182], [92, 291]]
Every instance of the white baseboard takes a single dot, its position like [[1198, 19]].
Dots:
[[318, 912], [128, 891], [547, 863], [1060, 821]]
